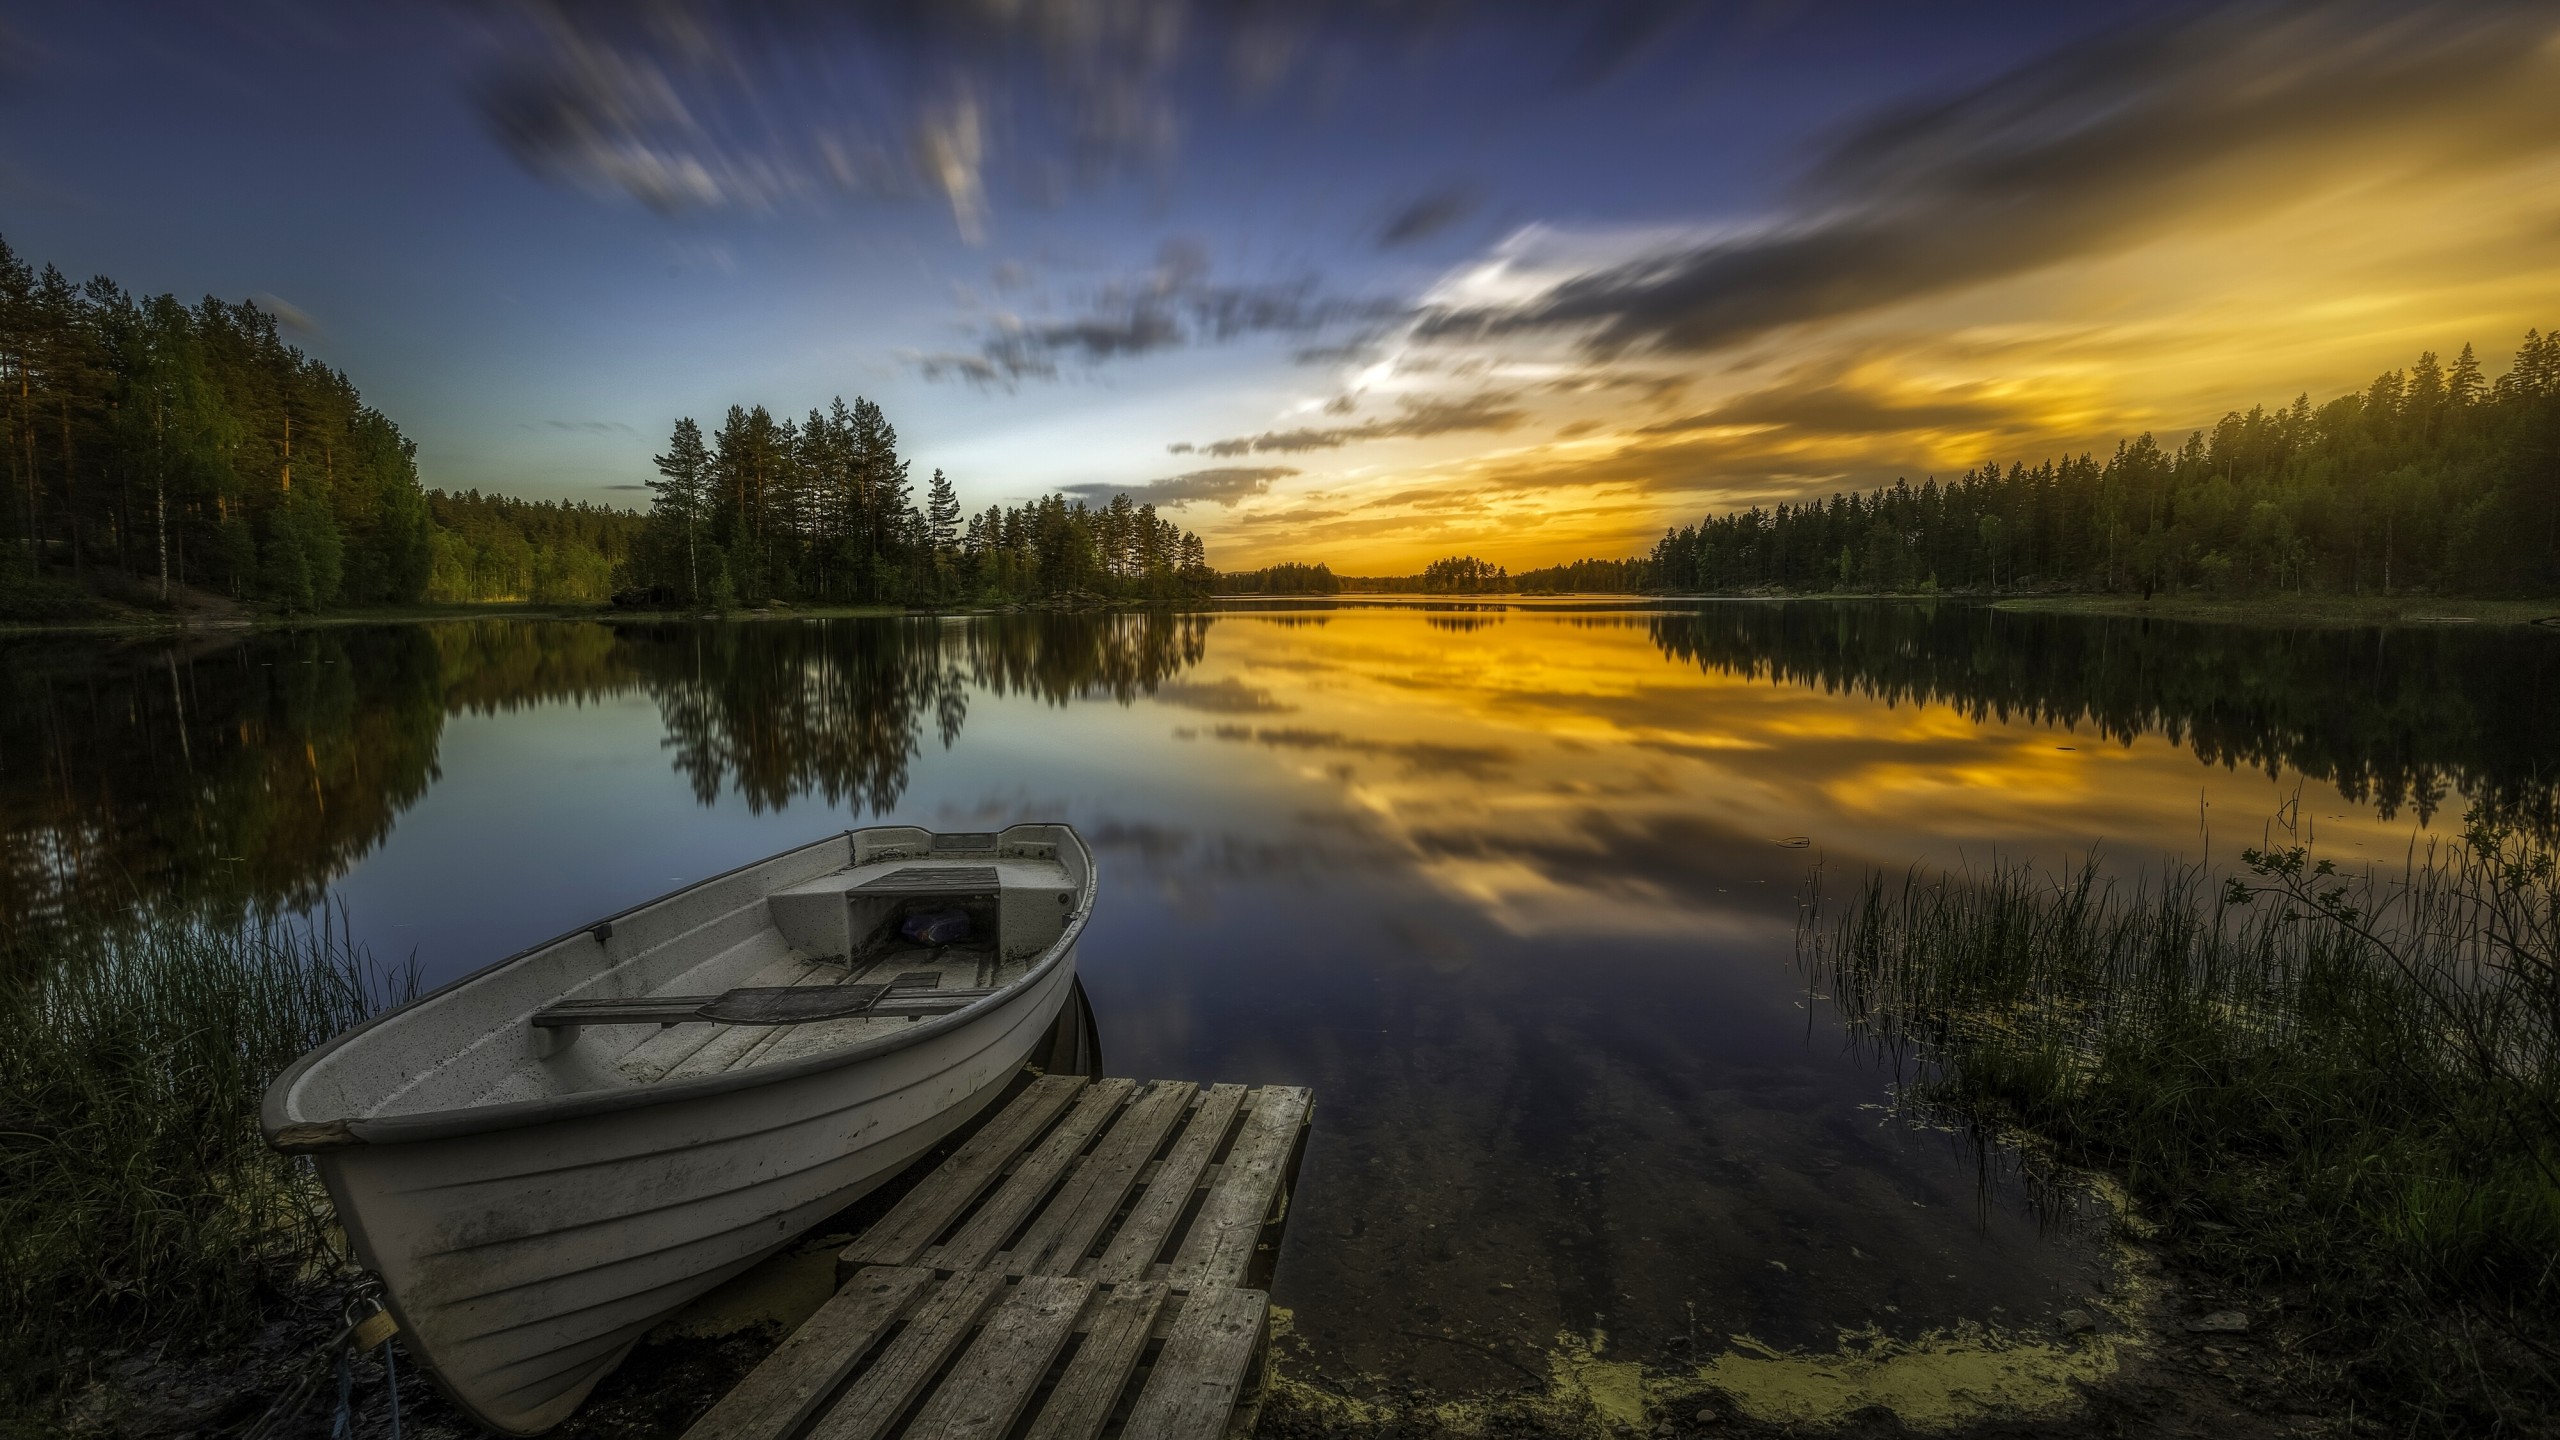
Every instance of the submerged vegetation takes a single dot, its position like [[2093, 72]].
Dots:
[[138, 1201], [2339, 1090]]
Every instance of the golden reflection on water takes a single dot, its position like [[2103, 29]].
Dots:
[[1566, 735]]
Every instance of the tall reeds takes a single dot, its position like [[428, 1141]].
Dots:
[[2342, 1087], [138, 1201]]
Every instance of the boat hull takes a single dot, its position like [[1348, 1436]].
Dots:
[[523, 1263]]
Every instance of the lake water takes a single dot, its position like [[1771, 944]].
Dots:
[[1515, 889]]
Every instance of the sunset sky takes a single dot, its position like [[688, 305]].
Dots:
[[1368, 283]]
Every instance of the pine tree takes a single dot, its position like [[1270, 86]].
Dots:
[[685, 478], [2463, 386], [942, 513]]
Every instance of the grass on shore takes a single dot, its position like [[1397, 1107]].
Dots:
[[139, 1202], [2341, 1089]]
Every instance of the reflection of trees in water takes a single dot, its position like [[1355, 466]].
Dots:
[[228, 773], [248, 772], [2396, 719], [839, 708], [784, 710], [1060, 658]]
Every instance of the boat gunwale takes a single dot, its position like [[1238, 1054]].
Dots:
[[345, 1132]]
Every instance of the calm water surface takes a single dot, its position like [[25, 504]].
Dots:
[[1514, 889]]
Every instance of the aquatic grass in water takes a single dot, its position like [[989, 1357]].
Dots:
[[2345, 1088], [138, 1200]]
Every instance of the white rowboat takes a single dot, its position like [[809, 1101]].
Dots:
[[544, 1159]]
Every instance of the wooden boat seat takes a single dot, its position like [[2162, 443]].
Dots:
[[914, 993]]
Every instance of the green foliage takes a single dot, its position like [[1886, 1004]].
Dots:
[[2346, 1086], [138, 1201], [192, 446], [2427, 481], [493, 548], [822, 509]]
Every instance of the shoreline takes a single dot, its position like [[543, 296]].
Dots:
[[2316, 610], [149, 624]]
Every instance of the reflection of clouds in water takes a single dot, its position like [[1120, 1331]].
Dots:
[[1556, 778], [1422, 757], [1229, 696]]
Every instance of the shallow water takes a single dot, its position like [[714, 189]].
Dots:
[[1514, 889]]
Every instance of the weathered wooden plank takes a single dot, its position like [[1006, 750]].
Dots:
[[933, 880], [1075, 1216], [898, 1237], [1201, 1369], [1220, 1245], [939, 1323], [1005, 1363], [1031, 1181], [798, 1376], [1152, 1219], [1119, 1324], [688, 1051]]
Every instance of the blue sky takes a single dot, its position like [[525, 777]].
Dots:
[[1058, 240]]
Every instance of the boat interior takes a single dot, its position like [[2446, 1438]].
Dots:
[[814, 950]]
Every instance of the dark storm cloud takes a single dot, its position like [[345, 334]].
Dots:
[[1416, 417], [685, 104], [2134, 134], [1224, 485], [1428, 216]]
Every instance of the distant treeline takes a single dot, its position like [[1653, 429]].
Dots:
[[1456, 575], [150, 446], [492, 547], [823, 509], [189, 445], [1285, 578], [2430, 479]]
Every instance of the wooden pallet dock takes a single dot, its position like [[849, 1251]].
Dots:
[[1086, 1267]]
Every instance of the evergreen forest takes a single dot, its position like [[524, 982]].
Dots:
[[151, 444], [2432, 479], [1285, 578], [491, 548], [824, 510]]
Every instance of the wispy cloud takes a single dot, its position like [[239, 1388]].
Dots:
[[292, 317], [1219, 486], [1428, 215], [580, 427], [2110, 143], [1172, 304], [693, 104], [1416, 416]]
